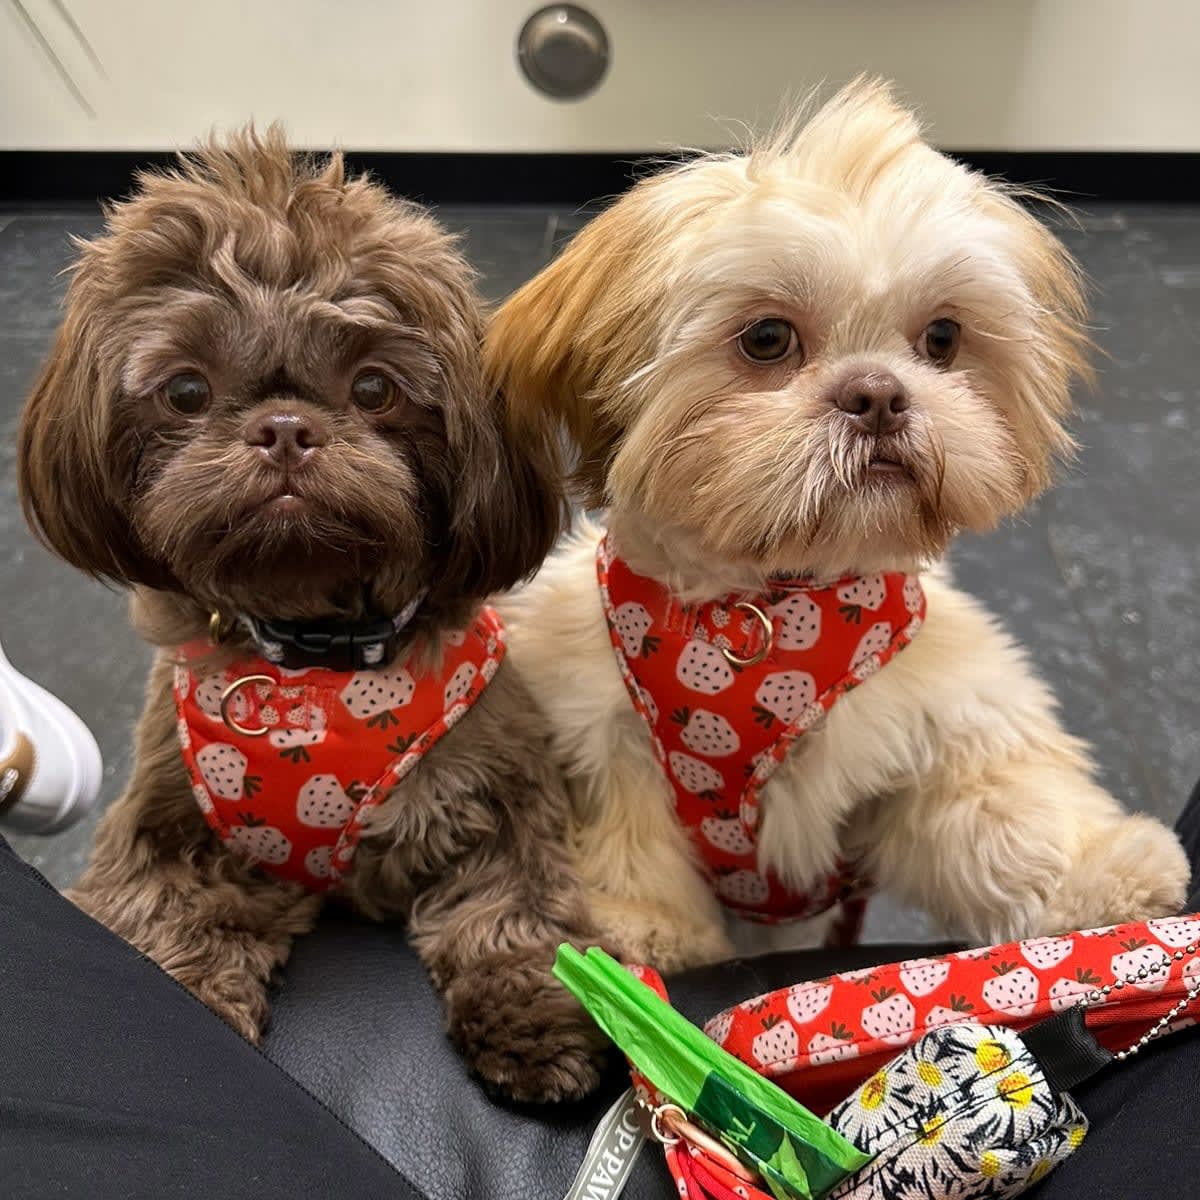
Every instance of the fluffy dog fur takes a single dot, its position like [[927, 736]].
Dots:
[[947, 775], [279, 281]]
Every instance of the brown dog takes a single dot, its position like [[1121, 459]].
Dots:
[[265, 403]]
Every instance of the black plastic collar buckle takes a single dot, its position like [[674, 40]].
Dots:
[[334, 645]]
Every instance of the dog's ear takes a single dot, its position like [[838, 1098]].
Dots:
[[506, 508], [561, 346], [1057, 353], [65, 466]]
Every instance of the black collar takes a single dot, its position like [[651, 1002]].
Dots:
[[368, 643]]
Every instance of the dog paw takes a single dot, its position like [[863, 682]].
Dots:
[[656, 937], [1134, 871], [245, 1014], [522, 1032]]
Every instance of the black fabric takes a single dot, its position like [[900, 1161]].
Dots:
[[115, 1083], [1066, 1050], [358, 1023]]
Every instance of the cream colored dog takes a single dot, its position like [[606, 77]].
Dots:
[[699, 341]]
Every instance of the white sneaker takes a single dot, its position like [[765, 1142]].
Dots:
[[50, 765]]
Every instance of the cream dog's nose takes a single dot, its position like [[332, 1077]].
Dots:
[[877, 402]]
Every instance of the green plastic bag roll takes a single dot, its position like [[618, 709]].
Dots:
[[797, 1154]]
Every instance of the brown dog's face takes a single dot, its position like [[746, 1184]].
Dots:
[[825, 356], [267, 394]]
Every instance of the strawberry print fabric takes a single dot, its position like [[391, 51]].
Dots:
[[293, 799], [721, 729], [819, 1039]]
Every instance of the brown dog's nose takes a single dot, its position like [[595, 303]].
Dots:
[[877, 402], [286, 438]]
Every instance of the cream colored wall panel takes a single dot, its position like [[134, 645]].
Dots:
[[400, 75]]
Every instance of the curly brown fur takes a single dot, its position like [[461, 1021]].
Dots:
[[279, 282]]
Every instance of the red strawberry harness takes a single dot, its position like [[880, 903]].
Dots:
[[286, 764], [728, 685]]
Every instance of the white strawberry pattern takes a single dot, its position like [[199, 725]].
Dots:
[[709, 733], [861, 975], [1066, 992], [947, 1014], [323, 803], [807, 1001], [703, 668], [868, 591], [891, 1018], [1191, 972], [632, 622], [777, 1045], [726, 833], [223, 768], [284, 739], [263, 843], [866, 1014], [370, 693], [207, 695], [786, 694], [693, 775], [651, 705], [1139, 954], [743, 887], [1013, 990], [877, 639], [920, 976], [1044, 953], [460, 684], [317, 862], [297, 800], [832, 1047], [725, 699], [797, 622], [914, 595], [1176, 932], [718, 1028], [305, 726]]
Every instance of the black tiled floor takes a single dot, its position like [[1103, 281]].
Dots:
[[1098, 579]]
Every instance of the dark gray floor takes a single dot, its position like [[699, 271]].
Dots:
[[1099, 579]]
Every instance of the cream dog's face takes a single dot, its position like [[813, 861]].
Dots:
[[825, 356]]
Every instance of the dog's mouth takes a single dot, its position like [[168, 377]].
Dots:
[[886, 465], [286, 504]]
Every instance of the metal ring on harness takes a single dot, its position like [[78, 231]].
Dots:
[[227, 697], [768, 640]]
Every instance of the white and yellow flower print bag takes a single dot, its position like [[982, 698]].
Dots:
[[970, 1111]]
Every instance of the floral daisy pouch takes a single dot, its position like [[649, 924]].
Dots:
[[969, 1112]]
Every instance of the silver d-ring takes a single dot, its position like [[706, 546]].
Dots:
[[656, 1130], [227, 696], [768, 639]]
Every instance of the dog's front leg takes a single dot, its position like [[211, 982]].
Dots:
[[644, 888], [1024, 845], [215, 925], [159, 878], [488, 931]]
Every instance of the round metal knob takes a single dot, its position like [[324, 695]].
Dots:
[[563, 51]]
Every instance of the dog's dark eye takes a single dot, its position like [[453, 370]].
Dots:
[[939, 342], [373, 392], [187, 394], [768, 341]]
